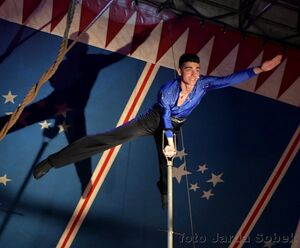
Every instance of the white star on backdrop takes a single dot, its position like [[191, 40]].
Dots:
[[180, 154], [207, 194], [215, 179], [45, 124], [63, 127], [202, 168], [4, 179], [194, 187], [179, 172], [9, 97]]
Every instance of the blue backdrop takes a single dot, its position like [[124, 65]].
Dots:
[[239, 136]]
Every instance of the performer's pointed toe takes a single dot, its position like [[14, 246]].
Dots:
[[41, 169]]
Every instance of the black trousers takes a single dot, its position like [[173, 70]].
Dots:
[[145, 124]]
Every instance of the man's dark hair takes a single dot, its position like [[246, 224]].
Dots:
[[188, 57]]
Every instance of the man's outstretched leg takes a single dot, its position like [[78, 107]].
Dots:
[[91, 145]]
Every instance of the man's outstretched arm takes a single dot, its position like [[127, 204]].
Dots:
[[212, 82]]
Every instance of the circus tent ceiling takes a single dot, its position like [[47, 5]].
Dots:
[[276, 20]]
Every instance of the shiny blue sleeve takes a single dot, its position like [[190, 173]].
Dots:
[[212, 82], [165, 104]]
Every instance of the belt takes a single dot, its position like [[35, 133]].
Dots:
[[178, 120]]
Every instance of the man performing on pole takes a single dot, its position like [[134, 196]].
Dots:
[[176, 100]]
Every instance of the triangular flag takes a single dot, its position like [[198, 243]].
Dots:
[[148, 50], [224, 42], [226, 66], [172, 29], [292, 70], [59, 10], [249, 50], [144, 26], [271, 85], [205, 54], [291, 95], [89, 10], [118, 17], [199, 35], [28, 7]]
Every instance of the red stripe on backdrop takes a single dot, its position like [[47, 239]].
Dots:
[[105, 163], [133, 105], [267, 193], [77, 218]]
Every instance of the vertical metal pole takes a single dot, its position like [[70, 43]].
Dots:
[[170, 203], [170, 193]]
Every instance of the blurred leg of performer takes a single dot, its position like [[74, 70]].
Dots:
[[146, 124], [90, 145]]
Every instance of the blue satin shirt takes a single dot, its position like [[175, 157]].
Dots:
[[169, 93]]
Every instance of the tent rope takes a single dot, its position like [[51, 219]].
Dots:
[[64, 48], [32, 93]]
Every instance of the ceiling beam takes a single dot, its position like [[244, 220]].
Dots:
[[244, 12], [197, 13], [289, 37], [298, 20], [263, 11], [193, 11]]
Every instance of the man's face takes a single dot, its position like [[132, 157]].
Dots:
[[189, 72]]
